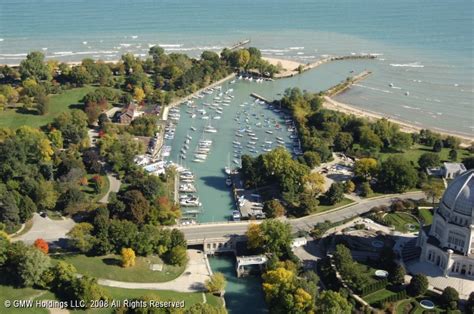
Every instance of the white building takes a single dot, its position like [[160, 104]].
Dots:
[[451, 170], [449, 243]]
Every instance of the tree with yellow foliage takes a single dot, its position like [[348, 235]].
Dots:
[[216, 284], [128, 257], [254, 236], [138, 94]]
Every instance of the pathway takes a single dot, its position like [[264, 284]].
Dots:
[[191, 280], [114, 186]]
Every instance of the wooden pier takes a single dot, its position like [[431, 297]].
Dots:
[[239, 44], [257, 96]]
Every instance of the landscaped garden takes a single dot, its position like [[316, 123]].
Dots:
[[110, 267], [402, 222]]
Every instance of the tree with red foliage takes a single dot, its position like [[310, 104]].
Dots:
[[42, 245]]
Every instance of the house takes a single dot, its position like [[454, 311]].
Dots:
[[128, 114], [451, 170]]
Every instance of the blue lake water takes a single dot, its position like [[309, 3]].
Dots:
[[426, 46]]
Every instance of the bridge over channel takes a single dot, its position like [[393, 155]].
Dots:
[[223, 236]]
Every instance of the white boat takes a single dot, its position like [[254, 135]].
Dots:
[[237, 162], [217, 117], [200, 156], [269, 132], [190, 202], [193, 128], [197, 160], [407, 93]]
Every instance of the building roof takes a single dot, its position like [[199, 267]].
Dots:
[[453, 167], [459, 196]]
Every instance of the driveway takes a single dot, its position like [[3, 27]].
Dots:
[[47, 229]]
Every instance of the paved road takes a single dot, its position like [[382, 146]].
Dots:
[[47, 229], [216, 230]]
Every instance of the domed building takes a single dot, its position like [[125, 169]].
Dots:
[[449, 242]]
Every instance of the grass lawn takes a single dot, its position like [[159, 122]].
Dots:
[[90, 191], [11, 293], [108, 267], [122, 294], [378, 295], [14, 118], [323, 208], [426, 215], [417, 150], [400, 221]]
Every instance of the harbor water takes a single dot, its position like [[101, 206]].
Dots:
[[242, 295], [242, 112]]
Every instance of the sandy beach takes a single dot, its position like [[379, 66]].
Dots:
[[332, 104], [289, 66]]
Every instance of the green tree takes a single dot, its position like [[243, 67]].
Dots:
[[273, 208], [450, 298], [433, 190], [4, 248], [365, 168], [418, 285], [81, 236], [401, 141], [397, 275], [335, 194], [34, 67], [42, 104], [438, 146], [429, 160], [343, 141], [365, 189], [331, 302], [86, 288], [178, 256], [453, 155], [277, 237], [205, 308], [397, 174], [370, 140], [470, 304], [31, 266], [216, 284], [312, 159]]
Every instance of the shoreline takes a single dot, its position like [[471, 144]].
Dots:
[[405, 126], [290, 67]]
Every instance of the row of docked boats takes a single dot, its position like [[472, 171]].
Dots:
[[187, 198]]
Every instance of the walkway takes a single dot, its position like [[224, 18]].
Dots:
[[191, 280], [114, 186]]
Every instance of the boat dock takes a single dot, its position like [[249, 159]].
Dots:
[[341, 87], [257, 96], [239, 44]]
